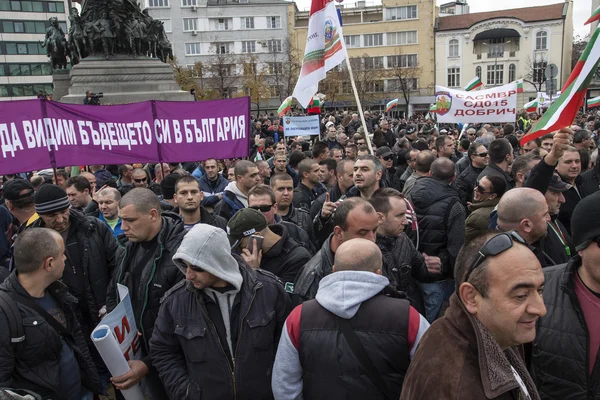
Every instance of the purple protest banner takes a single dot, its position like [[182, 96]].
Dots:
[[38, 134]]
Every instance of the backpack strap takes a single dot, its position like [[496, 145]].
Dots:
[[15, 321]]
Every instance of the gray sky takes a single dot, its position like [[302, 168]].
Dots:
[[582, 8]]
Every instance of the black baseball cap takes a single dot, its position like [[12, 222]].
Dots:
[[13, 188], [244, 223]]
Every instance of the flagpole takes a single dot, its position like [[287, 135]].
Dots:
[[360, 109]]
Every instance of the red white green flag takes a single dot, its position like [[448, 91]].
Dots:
[[564, 109], [595, 16], [474, 84], [532, 106], [520, 86], [391, 105], [593, 103], [285, 106], [325, 48]]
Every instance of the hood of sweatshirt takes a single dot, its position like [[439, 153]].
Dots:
[[343, 292], [232, 187]]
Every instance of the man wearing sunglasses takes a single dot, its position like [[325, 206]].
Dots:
[[217, 331], [494, 311], [486, 196], [565, 357], [140, 178], [386, 156], [464, 184]]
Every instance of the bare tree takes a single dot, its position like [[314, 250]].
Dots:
[[255, 80], [536, 68], [405, 72], [221, 72]]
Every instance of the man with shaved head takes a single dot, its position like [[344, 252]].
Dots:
[[525, 211], [313, 361], [147, 269], [441, 219]]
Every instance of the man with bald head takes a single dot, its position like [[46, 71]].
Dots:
[[525, 211], [313, 361], [441, 219]]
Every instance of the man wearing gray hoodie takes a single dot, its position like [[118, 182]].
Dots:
[[314, 359], [217, 331], [235, 195]]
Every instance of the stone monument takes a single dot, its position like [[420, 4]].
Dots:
[[115, 49]]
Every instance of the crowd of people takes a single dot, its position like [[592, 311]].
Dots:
[[447, 263]]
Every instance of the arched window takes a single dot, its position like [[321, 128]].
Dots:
[[453, 48], [512, 72], [541, 40], [478, 72]]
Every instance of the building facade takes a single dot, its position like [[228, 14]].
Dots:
[[24, 66], [234, 47], [506, 45], [391, 48]]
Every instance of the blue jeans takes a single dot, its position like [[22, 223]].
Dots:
[[434, 295]]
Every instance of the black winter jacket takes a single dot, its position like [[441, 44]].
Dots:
[[591, 180], [228, 205], [34, 363], [207, 217], [572, 198], [403, 265], [300, 217], [298, 234], [158, 275], [98, 250], [307, 281], [494, 170], [188, 353], [286, 258], [304, 197], [559, 359], [465, 183]]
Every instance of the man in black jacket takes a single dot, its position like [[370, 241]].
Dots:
[[572, 298], [53, 360], [501, 156], [282, 186], [189, 198], [465, 182], [309, 187], [217, 331], [146, 268], [569, 169], [274, 251]]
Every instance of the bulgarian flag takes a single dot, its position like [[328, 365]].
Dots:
[[433, 108], [285, 106], [391, 105], [325, 48], [563, 110], [595, 16], [520, 86], [593, 103], [474, 84], [532, 106]]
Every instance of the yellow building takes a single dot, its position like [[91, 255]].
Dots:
[[391, 47]]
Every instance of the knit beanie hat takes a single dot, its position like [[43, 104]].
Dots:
[[585, 222], [50, 198], [207, 247]]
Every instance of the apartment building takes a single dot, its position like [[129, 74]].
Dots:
[[391, 50], [505, 45], [24, 67], [234, 46]]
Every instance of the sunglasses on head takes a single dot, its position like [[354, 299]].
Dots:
[[141, 180], [496, 245], [264, 209]]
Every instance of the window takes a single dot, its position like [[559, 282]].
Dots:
[[190, 24], [275, 91], [276, 68], [541, 40], [24, 48], [398, 38], [374, 39], [495, 48], [453, 48], [395, 85], [247, 22], [158, 3], [403, 61], [453, 77], [192, 49], [20, 27], [352, 41], [539, 68], [495, 74], [24, 90], [375, 87], [55, 7], [249, 68], [273, 22], [478, 72], [167, 24], [373, 62], [188, 3], [512, 73], [346, 87], [222, 24], [406, 12], [222, 48], [274, 46], [248, 47]]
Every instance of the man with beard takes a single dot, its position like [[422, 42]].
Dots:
[[501, 157], [188, 198]]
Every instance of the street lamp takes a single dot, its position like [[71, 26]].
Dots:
[[496, 62]]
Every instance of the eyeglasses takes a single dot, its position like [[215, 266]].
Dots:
[[480, 188], [141, 180], [485, 154], [388, 158], [472, 134], [496, 245], [264, 209]]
